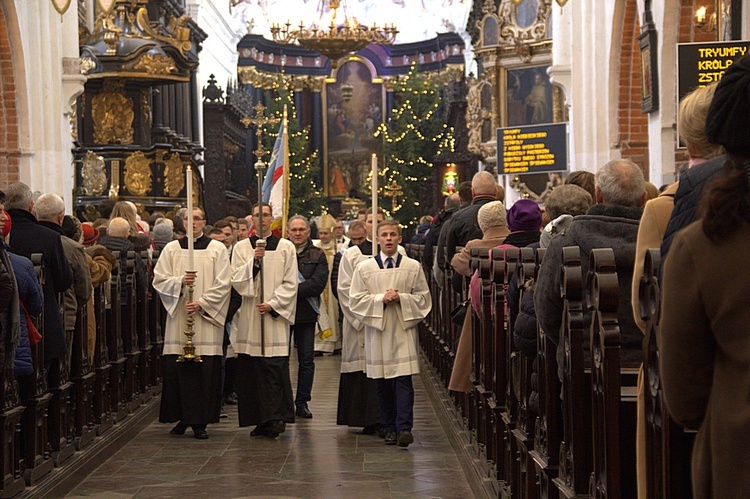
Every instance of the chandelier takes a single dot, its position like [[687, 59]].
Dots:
[[338, 40]]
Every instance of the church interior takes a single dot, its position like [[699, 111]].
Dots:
[[353, 105]]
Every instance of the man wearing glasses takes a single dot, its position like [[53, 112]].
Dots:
[[264, 388]]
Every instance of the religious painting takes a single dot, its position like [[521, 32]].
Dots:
[[490, 32], [649, 76], [528, 96], [526, 13], [354, 110]]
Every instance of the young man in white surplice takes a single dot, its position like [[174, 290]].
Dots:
[[389, 294]]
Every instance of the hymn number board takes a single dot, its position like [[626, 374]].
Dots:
[[700, 64]]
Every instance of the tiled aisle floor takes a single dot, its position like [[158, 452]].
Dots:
[[314, 458]]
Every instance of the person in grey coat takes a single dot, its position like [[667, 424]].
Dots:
[[612, 223]]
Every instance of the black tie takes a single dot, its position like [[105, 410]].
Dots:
[[389, 263]]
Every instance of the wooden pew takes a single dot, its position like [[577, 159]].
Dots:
[[524, 430], [506, 408], [82, 376], [143, 334], [11, 412], [156, 332], [119, 406], [61, 425], [36, 399], [668, 446], [575, 447], [102, 410], [129, 334], [548, 427], [613, 386], [482, 365]]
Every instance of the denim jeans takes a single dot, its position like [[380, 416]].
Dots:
[[304, 341]]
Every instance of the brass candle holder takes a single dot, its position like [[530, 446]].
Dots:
[[189, 349]]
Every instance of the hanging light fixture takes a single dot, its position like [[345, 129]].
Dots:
[[561, 3], [338, 40]]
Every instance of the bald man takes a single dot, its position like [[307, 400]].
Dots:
[[464, 227]]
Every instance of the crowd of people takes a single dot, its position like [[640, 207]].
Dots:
[[251, 293]]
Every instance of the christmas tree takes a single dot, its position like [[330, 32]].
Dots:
[[415, 133], [306, 199]]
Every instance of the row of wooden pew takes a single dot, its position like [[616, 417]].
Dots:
[[582, 441], [58, 410]]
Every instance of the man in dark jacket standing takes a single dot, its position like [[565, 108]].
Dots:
[[30, 237], [452, 203], [313, 276]]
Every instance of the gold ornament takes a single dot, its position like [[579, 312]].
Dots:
[[174, 178], [93, 174], [156, 64], [112, 114], [138, 174]]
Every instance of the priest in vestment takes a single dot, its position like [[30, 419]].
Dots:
[[357, 405], [264, 388], [389, 294], [192, 390], [332, 340]]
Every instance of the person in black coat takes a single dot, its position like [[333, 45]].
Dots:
[[117, 240], [464, 226], [30, 237], [313, 270]]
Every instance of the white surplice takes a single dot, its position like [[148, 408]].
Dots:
[[211, 291], [390, 330], [353, 331], [280, 284]]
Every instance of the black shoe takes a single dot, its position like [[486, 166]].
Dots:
[[390, 438], [405, 438], [200, 433], [278, 427], [373, 429], [303, 412], [264, 430], [179, 429], [231, 399]]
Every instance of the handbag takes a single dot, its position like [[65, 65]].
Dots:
[[458, 314], [34, 334]]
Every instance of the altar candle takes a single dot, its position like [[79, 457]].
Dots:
[[189, 221], [374, 203]]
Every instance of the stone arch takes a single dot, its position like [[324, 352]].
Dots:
[[10, 150]]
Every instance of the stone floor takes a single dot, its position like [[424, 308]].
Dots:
[[314, 458]]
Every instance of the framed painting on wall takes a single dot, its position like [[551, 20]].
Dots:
[[350, 122], [528, 96]]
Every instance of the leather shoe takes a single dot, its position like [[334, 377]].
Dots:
[[390, 438], [405, 438], [278, 427], [303, 412], [200, 433], [179, 429], [264, 431], [373, 429]]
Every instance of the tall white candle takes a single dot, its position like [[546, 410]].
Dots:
[[374, 203], [189, 217]]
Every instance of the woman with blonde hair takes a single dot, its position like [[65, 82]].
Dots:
[[656, 215], [126, 210]]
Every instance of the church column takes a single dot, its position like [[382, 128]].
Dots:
[[316, 121]]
